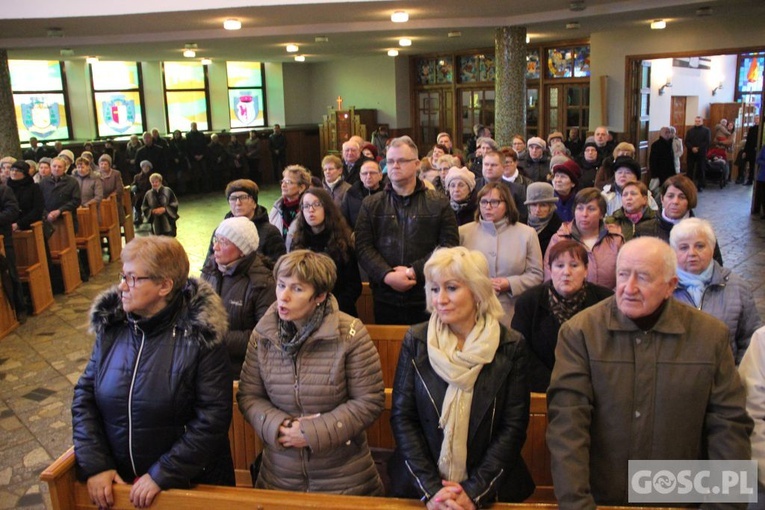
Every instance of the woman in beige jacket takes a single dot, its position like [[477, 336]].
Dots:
[[311, 384]]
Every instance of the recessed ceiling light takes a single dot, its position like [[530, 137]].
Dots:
[[91, 60], [393, 53], [292, 48], [455, 33], [189, 53], [299, 58], [399, 17], [206, 61], [573, 25], [404, 42], [232, 24], [321, 39], [658, 24]]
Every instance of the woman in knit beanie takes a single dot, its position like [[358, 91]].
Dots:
[[460, 183]]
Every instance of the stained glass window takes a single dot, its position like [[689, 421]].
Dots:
[[186, 95], [117, 98], [39, 98], [246, 95]]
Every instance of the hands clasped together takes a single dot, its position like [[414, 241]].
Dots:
[[290, 435], [451, 497]]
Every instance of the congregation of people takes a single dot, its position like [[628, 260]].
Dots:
[[553, 265]]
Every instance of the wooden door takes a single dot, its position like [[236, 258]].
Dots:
[[677, 119]]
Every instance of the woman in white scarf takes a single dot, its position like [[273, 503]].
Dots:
[[706, 285], [460, 397]]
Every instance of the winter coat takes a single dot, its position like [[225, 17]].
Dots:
[[536, 170], [113, 184], [61, 194], [335, 375], [271, 243], [91, 189], [338, 191], [601, 260], [499, 415], [351, 172], [535, 321], [466, 214], [550, 230], [141, 185], [752, 372], [275, 216], [512, 252], [625, 224], [353, 198], [9, 213], [729, 298], [161, 224], [247, 290], [30, 199], [392, 230], [613, 196], [660, 227], [619, 393], [662, 160], [155, 396]]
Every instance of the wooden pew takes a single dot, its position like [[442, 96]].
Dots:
[[109, 227], [89, 238], [63, 251], [8, 320], [66, 493], [128, 229], [388, 340], [365, 305], [32, 266]]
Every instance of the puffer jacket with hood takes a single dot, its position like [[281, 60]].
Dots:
[[156, 396]]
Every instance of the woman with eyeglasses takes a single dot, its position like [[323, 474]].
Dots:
[[295, 180], [322, 228], [242, 278], [154, 404], [510, 247]]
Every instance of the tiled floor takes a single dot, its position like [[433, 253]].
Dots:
[[41, 361]]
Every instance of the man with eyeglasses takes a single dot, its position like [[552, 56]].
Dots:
[[242, 195], [396, 231], [372, 181], [333, 181]]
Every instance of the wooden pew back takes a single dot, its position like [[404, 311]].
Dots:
[[128, 229], [32, 265], [109, 227], [63, 251], [88, 237]]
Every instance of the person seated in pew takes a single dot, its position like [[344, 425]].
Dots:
[[460, 397], [154, 404], [311, 385], [160, 208], [242, 278], [141, 185], [28, 194]]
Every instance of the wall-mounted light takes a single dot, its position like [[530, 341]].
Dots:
[[189, 51], [667, 85], [232, 24], [92, 60], [299, 58], [293, 48], [718, 87], [658, 24], [393, 53], [404, 42], [206, 61], [399, 17], [528, 38]]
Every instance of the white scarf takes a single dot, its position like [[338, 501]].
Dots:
[[460, 370]]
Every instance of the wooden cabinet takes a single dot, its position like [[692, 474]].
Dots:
[[742, 114]]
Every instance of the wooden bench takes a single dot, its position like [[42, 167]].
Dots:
[[66, 493], [365, 306], [89, 238], [128, 229], [8, 320], [63, 252], [32, 266], [388, 340], [109, 227]]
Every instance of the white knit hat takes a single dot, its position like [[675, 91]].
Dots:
[[240, 231]]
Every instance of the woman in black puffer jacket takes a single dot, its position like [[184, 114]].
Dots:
[[154, 404], [28, 194]]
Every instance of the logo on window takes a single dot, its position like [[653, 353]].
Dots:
[[119, 113]]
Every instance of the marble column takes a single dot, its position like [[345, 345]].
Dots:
[[9, 133], [510, 83]]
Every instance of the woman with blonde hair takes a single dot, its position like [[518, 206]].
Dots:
[[460, 397], [295, 180]]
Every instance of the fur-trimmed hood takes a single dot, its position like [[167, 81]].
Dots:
[[201, 316]]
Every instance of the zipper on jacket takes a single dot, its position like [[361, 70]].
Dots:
[[438, 411], [296, 386], [130, 400], [477, 500], [704, 294], [493, 415], [419, 483]]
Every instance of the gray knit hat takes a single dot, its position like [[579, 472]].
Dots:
[[240, 231], [463, 174], [540, 193]]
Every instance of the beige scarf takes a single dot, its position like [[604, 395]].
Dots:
[[460, 370]]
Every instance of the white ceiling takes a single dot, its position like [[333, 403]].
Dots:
[[360, 28]]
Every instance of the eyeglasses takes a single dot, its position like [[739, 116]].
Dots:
[[400, 161], [238, 198], [490, 203], [312, 207], [221, 241], [287, 182], [368, 174], [132, 280]]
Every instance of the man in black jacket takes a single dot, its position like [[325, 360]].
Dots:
[[396, 231], [661, 162], [750, 152], [9, 212], [697, 140], [372, 181]]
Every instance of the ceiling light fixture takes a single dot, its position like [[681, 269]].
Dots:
[[232, 24], [66, 52], [658, 24], [299, 58], [92, 60], [404, 42], [399, 17], [189, 53], [292, 48], [206, 61], [393, 53]]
